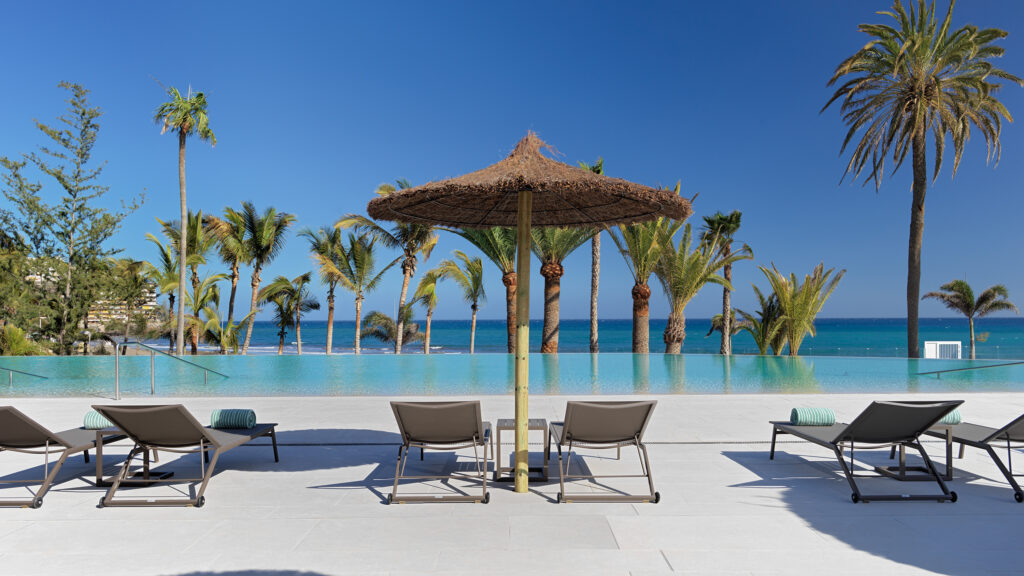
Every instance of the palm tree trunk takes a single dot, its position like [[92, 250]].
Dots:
[[970, 322], [595, 273], [726, 347], [231, 302], [298, 330], [359, 320], [330, 319], [182, 246], [472, 331], [426, 335], [916, 239], [641, 318], [252, 308], [675, 332], [406, 276], [170, 308], [193, 331], [509, 280], [552, 273], [280, 342]]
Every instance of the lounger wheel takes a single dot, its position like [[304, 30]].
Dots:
[[559, 499], [952, 496], [855, 497], [200, 501], [102, 502], [1018, 496], [657, 497], [391, 498], [487, 498], [37, 503]]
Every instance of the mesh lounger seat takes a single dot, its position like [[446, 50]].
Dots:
[[604, 425], [19, 433], [444, 426], [880, 425], [988, 439], [171, 428]]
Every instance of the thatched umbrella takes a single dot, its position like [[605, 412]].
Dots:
[[528, 189]]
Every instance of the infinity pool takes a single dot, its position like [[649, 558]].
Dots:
[[463, 374]]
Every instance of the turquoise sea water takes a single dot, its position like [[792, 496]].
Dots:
[[488, 374], [1003, 337]]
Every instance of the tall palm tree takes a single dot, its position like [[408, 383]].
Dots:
[[724, 227], [356, 272], [414, 240], [595, 265], [382, 327], [552, 246], [264, 239], [204, 294], [766, 328], [233, 251], [187, 116], [641, 246], [499, 245], [426, 296], [164, 273], [800, 302], [200, 241], [957, 295], [683, 271], [297, 300], [468, 273], [327, 250], [914, 77]]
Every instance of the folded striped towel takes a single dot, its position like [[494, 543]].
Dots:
[[812, 417], [96, 421], [952, 419], [233, 418]]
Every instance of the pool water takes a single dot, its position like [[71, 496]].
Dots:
[[483, 374]]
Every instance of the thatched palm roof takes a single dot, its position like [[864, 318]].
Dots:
[[563, 195]]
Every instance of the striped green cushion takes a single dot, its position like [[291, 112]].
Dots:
[[812, 417], [233, 418], [953, 418], [96, 421]]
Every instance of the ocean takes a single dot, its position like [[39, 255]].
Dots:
[[998, 338]]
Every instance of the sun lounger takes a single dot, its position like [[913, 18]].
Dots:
[[880, 425], [988, 439], [604, 425], [19, 433], [446, 426], [171, 428]]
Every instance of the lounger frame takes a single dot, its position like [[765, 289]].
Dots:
[[565, 434], [208, 440], [862, 433], [477, 436]]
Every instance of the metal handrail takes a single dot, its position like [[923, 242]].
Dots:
[[939, 373], [152, 366], [11, 372]]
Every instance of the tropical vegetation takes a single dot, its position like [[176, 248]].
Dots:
[[800, 302], [552, 246], [958, 296]]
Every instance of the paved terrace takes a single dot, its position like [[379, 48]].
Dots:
[[725, 509]]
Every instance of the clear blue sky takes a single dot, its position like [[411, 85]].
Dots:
[[316, 103]]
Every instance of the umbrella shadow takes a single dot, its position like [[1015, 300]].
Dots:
[[962, 538]]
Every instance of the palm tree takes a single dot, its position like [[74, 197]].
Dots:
[[499, 245], [132, 282], [724, 227], [595, 265], [200, 242], [552, 246], [382, 327], [356, 272], [414, 240], [164, 273], [911, 79], [426, 296], [185, 115], [766, 328], [283, 318], [204, 294], [683, 271], [224, 335], [233, 250], [641, 246], [718, 325], [801, 302], [297, 300], [957, 295], [264, 239], [468, 273], [325, 245]]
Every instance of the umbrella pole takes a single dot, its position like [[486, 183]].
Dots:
[[523, 256]]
